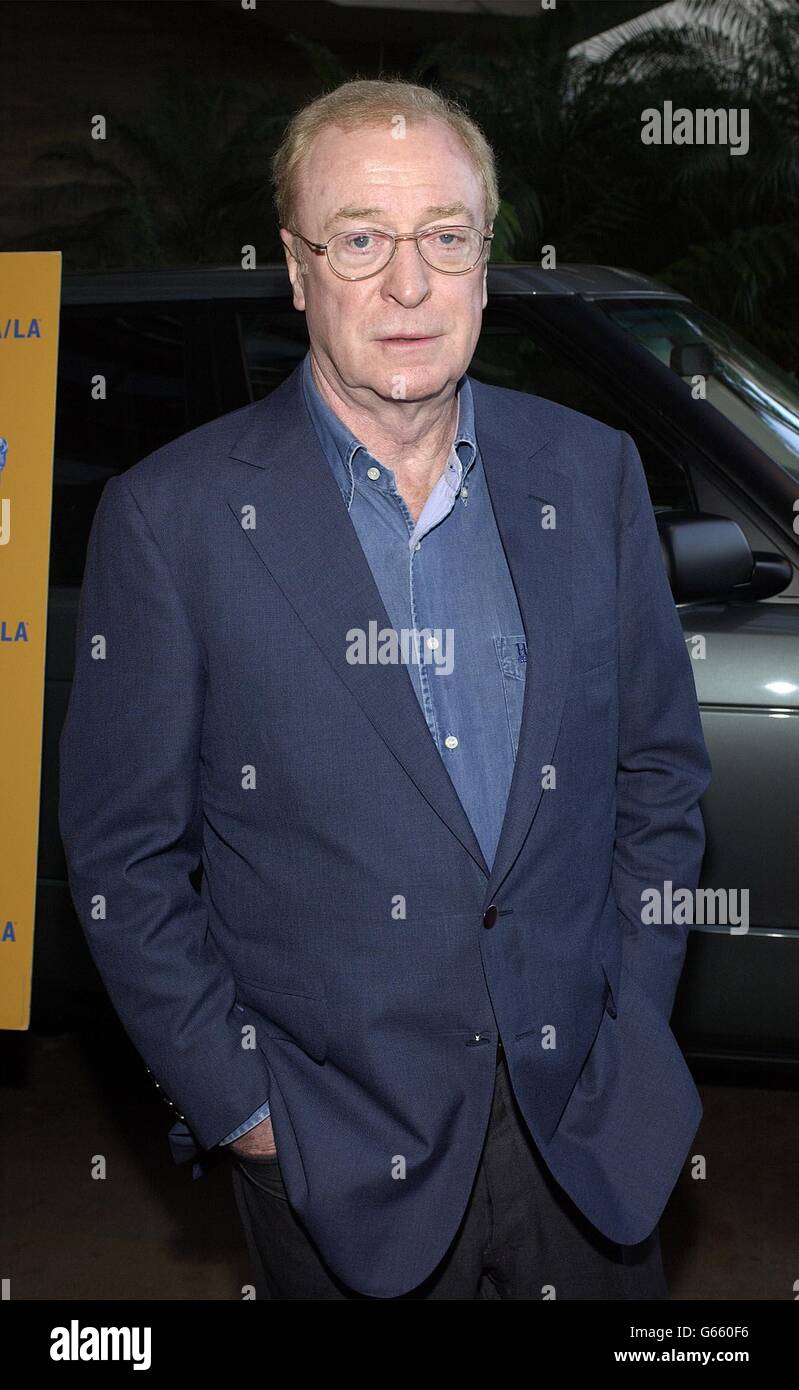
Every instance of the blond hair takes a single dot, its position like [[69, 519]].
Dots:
[[373, 102]]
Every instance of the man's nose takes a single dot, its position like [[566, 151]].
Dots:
[[406, 277]]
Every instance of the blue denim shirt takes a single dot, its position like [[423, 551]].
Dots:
[[446, 579]]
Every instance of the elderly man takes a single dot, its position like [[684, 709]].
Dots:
[[393, 655]]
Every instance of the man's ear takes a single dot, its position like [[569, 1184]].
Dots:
[[294, 266], [489, 228]]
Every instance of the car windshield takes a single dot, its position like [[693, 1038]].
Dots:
[[745, 385]]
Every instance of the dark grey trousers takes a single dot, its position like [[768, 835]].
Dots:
[[521, 1236]]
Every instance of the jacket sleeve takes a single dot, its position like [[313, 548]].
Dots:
[[130, 816], [663, 763]]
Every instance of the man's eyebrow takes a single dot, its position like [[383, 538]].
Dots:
[[351, 213]]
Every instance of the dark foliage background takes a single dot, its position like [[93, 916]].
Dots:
[[182, 177]]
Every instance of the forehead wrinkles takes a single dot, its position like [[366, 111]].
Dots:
[[353, 175], [377, 175], [376, 154], [426, 164], [378, 186]]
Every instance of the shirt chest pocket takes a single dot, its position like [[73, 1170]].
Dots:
[[512, 657]]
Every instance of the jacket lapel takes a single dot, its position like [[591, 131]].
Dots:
[[520, 483], [304, 537]]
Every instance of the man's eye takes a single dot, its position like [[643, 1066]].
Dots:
[[359, 241], [447, 240]]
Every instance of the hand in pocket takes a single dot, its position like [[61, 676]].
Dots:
[[258, 1142]]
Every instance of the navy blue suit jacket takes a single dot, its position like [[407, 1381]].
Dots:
[[214, 717]]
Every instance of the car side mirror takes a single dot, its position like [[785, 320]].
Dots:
[[709, 557], [692, 359]]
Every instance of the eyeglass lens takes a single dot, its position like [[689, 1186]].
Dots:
[[364, 252]]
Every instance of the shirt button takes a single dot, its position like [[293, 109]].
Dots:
[[451, 741], [432, 643], [373, 473], [418, 545]]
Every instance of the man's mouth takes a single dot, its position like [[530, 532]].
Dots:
[[411, 338]]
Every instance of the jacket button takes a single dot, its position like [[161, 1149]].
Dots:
[[490, 915]]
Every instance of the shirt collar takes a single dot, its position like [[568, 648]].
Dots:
[[349, 458]]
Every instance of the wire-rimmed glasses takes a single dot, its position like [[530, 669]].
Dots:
[[358, 254]]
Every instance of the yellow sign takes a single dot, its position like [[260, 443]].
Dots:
[[30, 296]]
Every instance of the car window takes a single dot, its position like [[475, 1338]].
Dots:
[[749, 389], [272, 342], [142, 354], [517, 355]]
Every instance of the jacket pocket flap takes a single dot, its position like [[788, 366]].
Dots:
[[298, 1018]]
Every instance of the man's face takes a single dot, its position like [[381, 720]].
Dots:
[[392, 185]]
